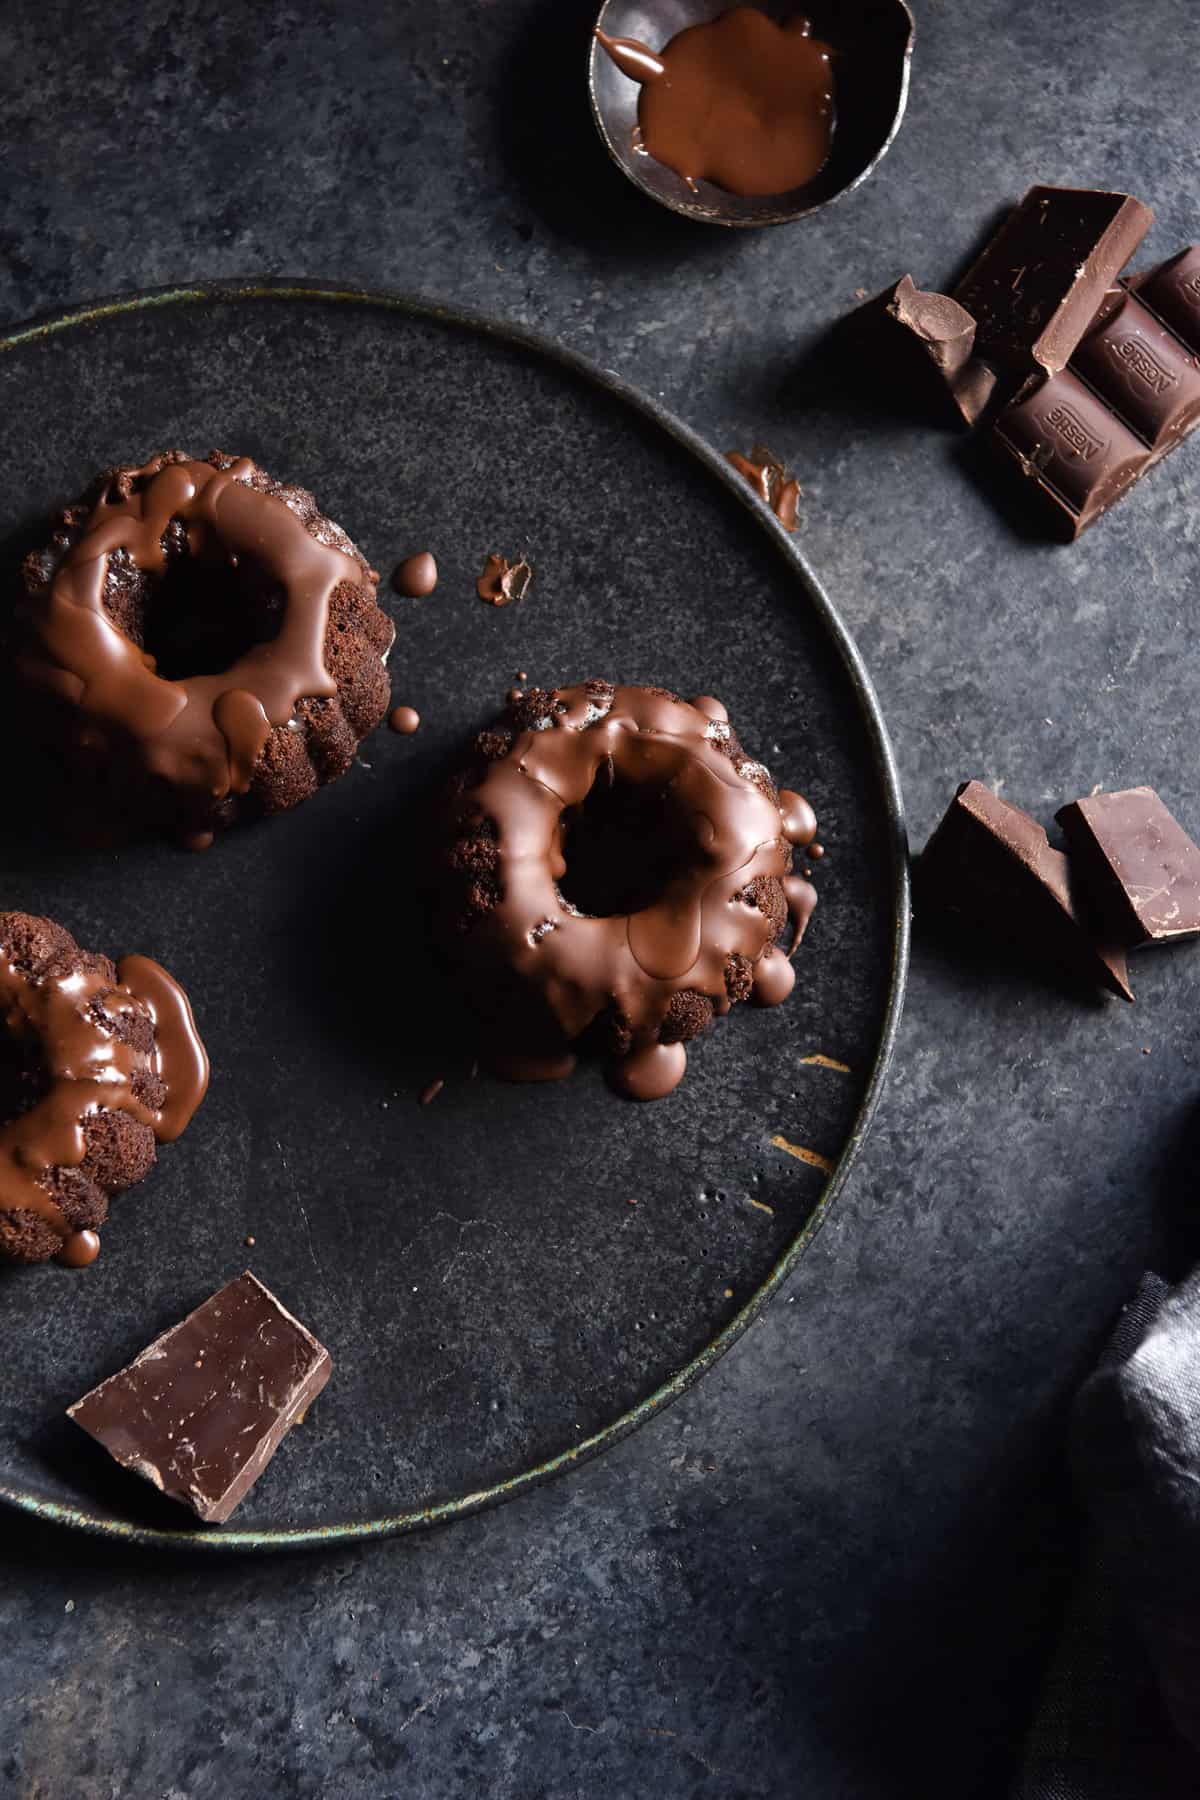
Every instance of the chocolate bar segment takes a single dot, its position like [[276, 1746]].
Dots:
[[1081, 456], [925, 342], [1172, 290], [1039, 282], [1139, 864], [201, 1412], [1142, 371], [993, 867]]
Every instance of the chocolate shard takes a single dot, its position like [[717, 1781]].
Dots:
[[992, 866], [1079, 455], [1172, 290], [925, 344], [203, 1409], [1140, 866], [1039, 282]]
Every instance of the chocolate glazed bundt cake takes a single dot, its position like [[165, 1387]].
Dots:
[[204, 641], [616, 868], [97, 1065]]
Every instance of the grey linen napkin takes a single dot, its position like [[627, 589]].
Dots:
[[1120, 1714]]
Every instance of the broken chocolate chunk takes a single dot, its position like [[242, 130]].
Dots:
[[1038, 284], [502, 582], [203, 1409], [1139, 864], [924, 345], [991, 865]]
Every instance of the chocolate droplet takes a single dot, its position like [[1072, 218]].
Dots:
[[80, 1250], [416, 576]]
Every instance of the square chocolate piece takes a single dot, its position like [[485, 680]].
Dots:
[[1038, 284], [993, 866], [203, 1409], [1139, 863]]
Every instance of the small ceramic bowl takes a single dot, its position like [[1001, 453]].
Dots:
[[873, 39]]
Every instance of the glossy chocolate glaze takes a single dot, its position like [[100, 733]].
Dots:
[[770, 481], [416, 577], [501, 582], [691, 944], [87, 1068], [202, 731], [740, 101]]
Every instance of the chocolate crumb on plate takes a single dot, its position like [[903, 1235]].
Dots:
[[772, 483], [502, 582], [203, 1409]]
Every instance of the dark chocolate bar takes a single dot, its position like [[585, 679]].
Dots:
[[1147, 377], [1172, 290], [1038, 284], [201, 1412], [1065, 439], [1139, 864], [1130, 395], [992, 866]]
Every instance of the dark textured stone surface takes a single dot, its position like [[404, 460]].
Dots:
[[832, 1569]]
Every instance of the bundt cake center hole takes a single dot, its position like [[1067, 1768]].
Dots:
[[24, 1080], [204, 613], [624, 847]]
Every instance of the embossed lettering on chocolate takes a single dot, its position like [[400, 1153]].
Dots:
[[614, 867]]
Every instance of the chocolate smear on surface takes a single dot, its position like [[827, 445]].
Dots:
[[503, 582], [775, 487]]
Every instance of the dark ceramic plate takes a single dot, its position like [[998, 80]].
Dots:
[[510, 1277]]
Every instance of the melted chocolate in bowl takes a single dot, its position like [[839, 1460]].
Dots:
[[871, 42], [741, 101]]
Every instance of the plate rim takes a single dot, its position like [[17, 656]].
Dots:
[[417, 306]]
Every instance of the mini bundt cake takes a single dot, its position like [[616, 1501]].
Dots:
[[614, 868], [97, 1064], [204, 641]]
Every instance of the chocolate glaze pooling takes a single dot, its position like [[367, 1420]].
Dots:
[[739, 101], [501, 582], [543, 972], [202, 734], [92, 1054]]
